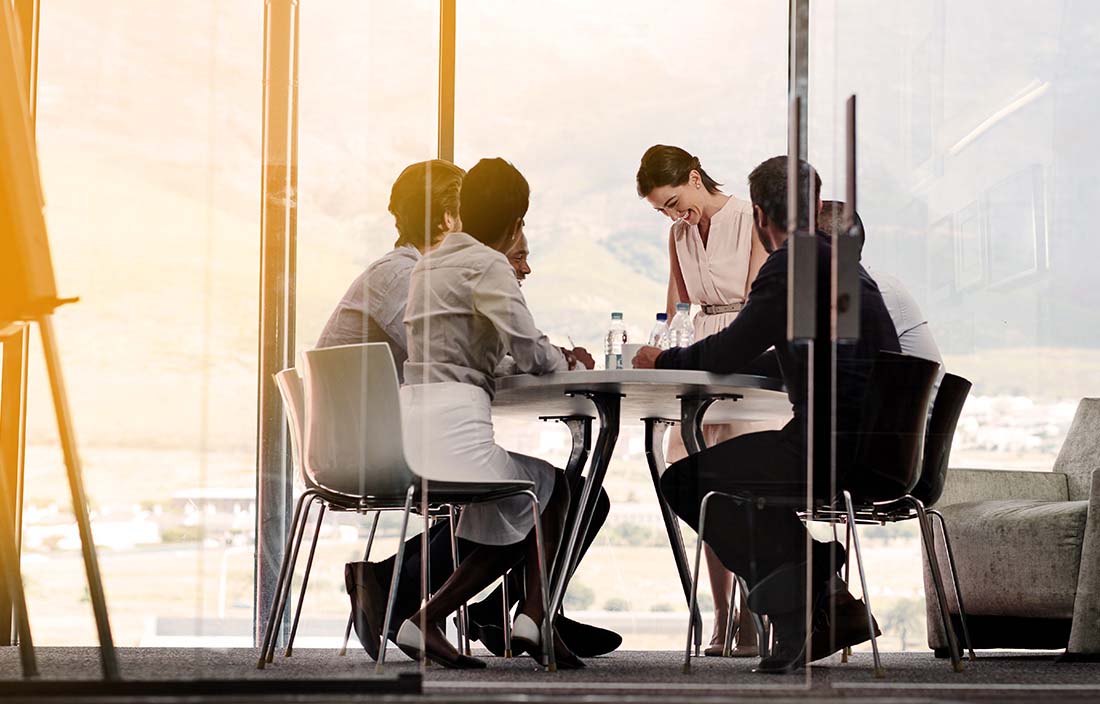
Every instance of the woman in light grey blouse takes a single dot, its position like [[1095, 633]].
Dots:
[[465, 310], [373, 309]]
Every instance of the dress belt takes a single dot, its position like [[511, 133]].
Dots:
[[722, 308]]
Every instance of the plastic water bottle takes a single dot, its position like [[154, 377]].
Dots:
[[659, 336], [682, 332], [613, 345]]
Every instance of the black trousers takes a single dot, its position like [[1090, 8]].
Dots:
[[441, 566], [752, 537]]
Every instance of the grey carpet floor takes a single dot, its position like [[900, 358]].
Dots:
[[625, 676]]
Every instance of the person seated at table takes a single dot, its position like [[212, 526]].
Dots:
[[367, 582], [766, 543], [517, 257], [465, 310], [914, 333], [373, 309]]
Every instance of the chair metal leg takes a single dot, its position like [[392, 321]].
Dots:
[[879, 672], [283, 597], [284, 567], [765, 637], [347, 635], [366, 557], [547, 615], [694, 600], [392, 596], [763, 645], [733, 618], [847, 652], [937, 581], [305, 581], [954, 581], [425, 573], [507, 615], [463, 614]]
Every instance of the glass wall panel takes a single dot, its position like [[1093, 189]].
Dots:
[[148, 133], [368, 108], [573, 93], [976, 148]]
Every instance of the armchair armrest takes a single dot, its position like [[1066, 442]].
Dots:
[[964, 485], [1084, 637]]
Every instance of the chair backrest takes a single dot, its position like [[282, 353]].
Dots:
[[891, 430], [1080, 453], [946, 409], [353, 434], [290, 388]]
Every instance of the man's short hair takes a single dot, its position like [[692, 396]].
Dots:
[[832, 221], [494, 196], [768, 190], [435, 182]]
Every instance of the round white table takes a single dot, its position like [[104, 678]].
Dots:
[[656, 397], [646, 393]]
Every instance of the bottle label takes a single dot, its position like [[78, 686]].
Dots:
[[613, 361]]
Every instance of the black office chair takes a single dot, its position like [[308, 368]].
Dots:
[[946, 410], [885, 468], [941, 431]]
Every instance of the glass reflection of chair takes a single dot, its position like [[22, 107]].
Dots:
[[352, 458], [886, 469]]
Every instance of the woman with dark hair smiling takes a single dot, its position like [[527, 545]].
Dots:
[[713, 258], [465, 311]]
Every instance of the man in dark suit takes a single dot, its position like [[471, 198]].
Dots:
[[765, 543]]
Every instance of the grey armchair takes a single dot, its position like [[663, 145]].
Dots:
[[1027, 549]]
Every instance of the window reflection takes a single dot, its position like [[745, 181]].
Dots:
[[974, 186], [148, 137]]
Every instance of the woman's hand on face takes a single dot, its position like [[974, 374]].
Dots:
[[646, 358], [583, 357]]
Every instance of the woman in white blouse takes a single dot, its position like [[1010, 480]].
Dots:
[[713, 259], [465, 310]]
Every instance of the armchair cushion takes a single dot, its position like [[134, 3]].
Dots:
[[965, 485], [1018, 557]]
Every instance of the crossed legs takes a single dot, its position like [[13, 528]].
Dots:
[[485, 563]]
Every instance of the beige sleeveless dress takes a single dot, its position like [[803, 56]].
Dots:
[[718, 274]]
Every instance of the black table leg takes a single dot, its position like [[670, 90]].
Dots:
[[692, 410], [607, 407], [580, 428], [655, 456]]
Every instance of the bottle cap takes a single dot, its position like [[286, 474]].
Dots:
[[684, 307], [616, 316], [662, 317]]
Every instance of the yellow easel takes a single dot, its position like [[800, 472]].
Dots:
[[28, 296]]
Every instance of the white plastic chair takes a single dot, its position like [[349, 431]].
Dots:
[[290, 387], [346, 429]]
